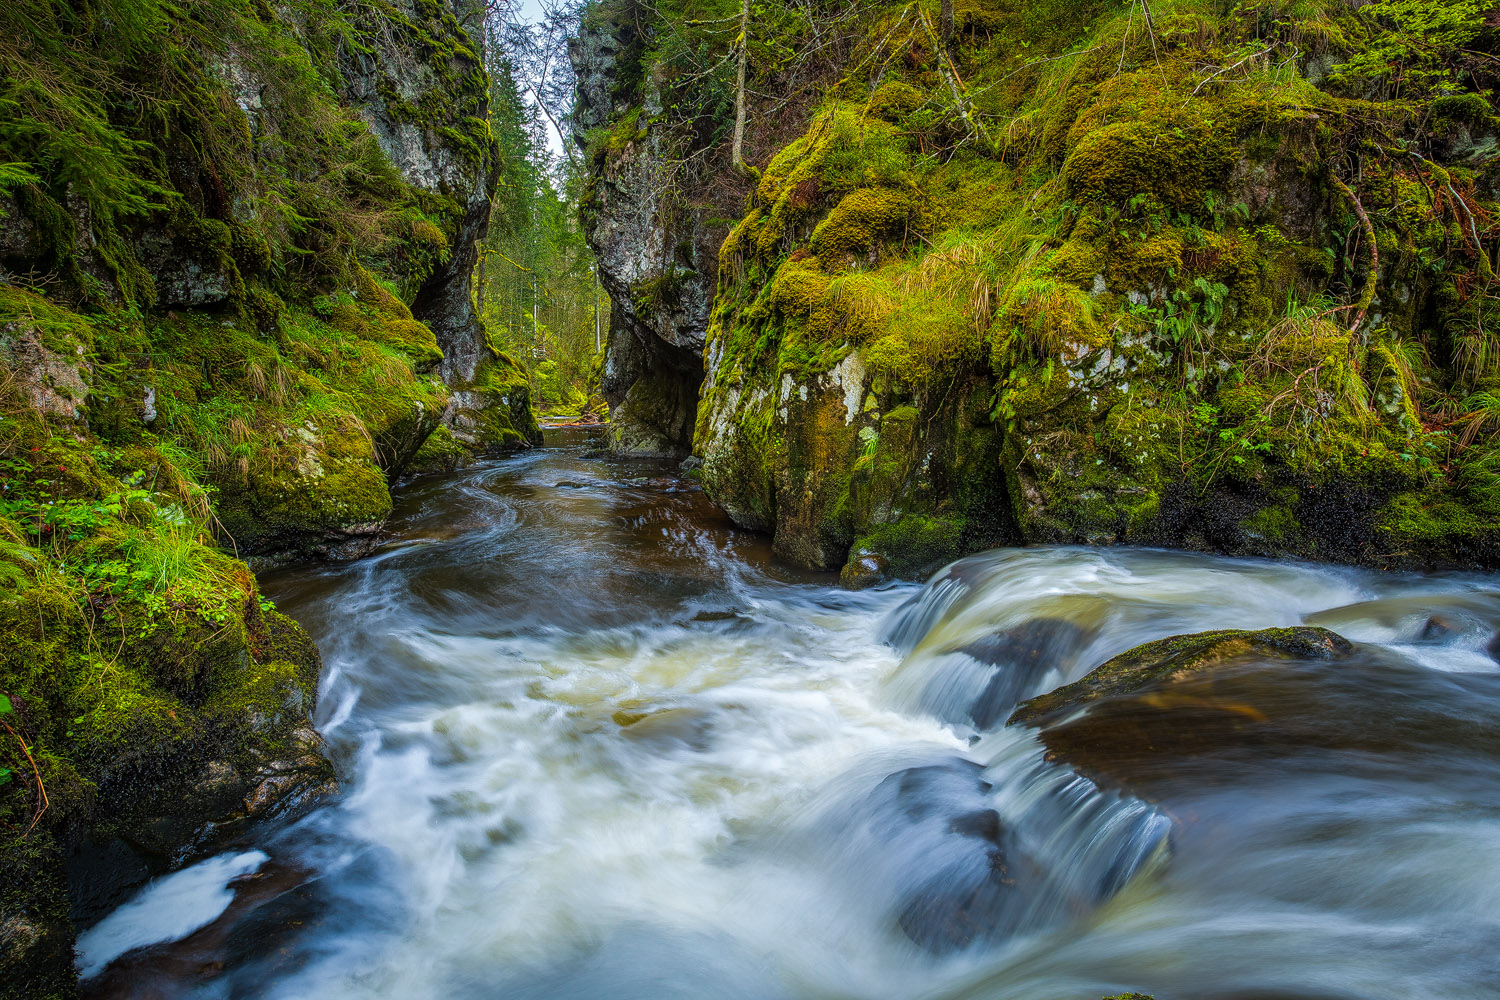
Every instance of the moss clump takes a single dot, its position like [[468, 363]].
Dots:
[[915, 545], [441, 452], [861, 221], [1177, 160], [375, 314]]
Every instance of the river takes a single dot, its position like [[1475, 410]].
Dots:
[[596, 743]]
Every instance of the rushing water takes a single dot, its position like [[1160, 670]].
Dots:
[[597, 744]]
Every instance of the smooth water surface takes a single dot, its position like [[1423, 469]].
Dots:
[[596, 744]]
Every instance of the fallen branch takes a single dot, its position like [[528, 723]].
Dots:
[[1368, 295]]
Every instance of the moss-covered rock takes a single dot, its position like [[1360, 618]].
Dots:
[[490, 413], [150, 700], [1177, 657]]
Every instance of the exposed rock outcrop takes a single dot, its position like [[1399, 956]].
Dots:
[[649, 216]]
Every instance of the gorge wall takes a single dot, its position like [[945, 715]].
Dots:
[[236, 244], [1220, 280], [655, 210]]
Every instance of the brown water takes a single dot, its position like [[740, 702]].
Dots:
[[598, 744]]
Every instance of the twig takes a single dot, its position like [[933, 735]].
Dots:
[[36, 773], [1237, 65], [1448, 183], [1151, 30]]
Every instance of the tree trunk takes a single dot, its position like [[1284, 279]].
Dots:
[[947, 23], [737, 152], [479, 292]]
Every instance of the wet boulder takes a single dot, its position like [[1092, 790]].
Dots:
[[1177, 657], [967, 890], [864, 569], [1462, 621], [1171, 718]]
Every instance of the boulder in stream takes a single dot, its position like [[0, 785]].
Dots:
[[1177, 657]]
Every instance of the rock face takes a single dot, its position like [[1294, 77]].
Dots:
[[1136, 316], [647, 218], [422, 89]]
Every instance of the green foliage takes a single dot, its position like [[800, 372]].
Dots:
[[539, 297], [1416, 46]]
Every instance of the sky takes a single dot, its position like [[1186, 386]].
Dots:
[[531, 11]]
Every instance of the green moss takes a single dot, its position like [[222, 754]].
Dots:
[[1146, 270], [1275, 525], [441, 452], [861, 221], [915, 545], [493, 409], [377, 315], [1119, 161], [894, 100], [38, 958]]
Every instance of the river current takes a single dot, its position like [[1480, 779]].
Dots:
[[597, 743]]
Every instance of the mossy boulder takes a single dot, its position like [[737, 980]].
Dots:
[[321, 495], [148, 751], [441, 452], [490, 413], [1177, 657], [1132, 315], [654, 417]]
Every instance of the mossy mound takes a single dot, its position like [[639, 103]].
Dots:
[[150, 696]]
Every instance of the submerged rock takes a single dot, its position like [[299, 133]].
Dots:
[[1170, 717], [963, 862], [1021, 656], [667, 728], [981, 890]]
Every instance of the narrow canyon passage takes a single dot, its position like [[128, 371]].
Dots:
[[595, 743]]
